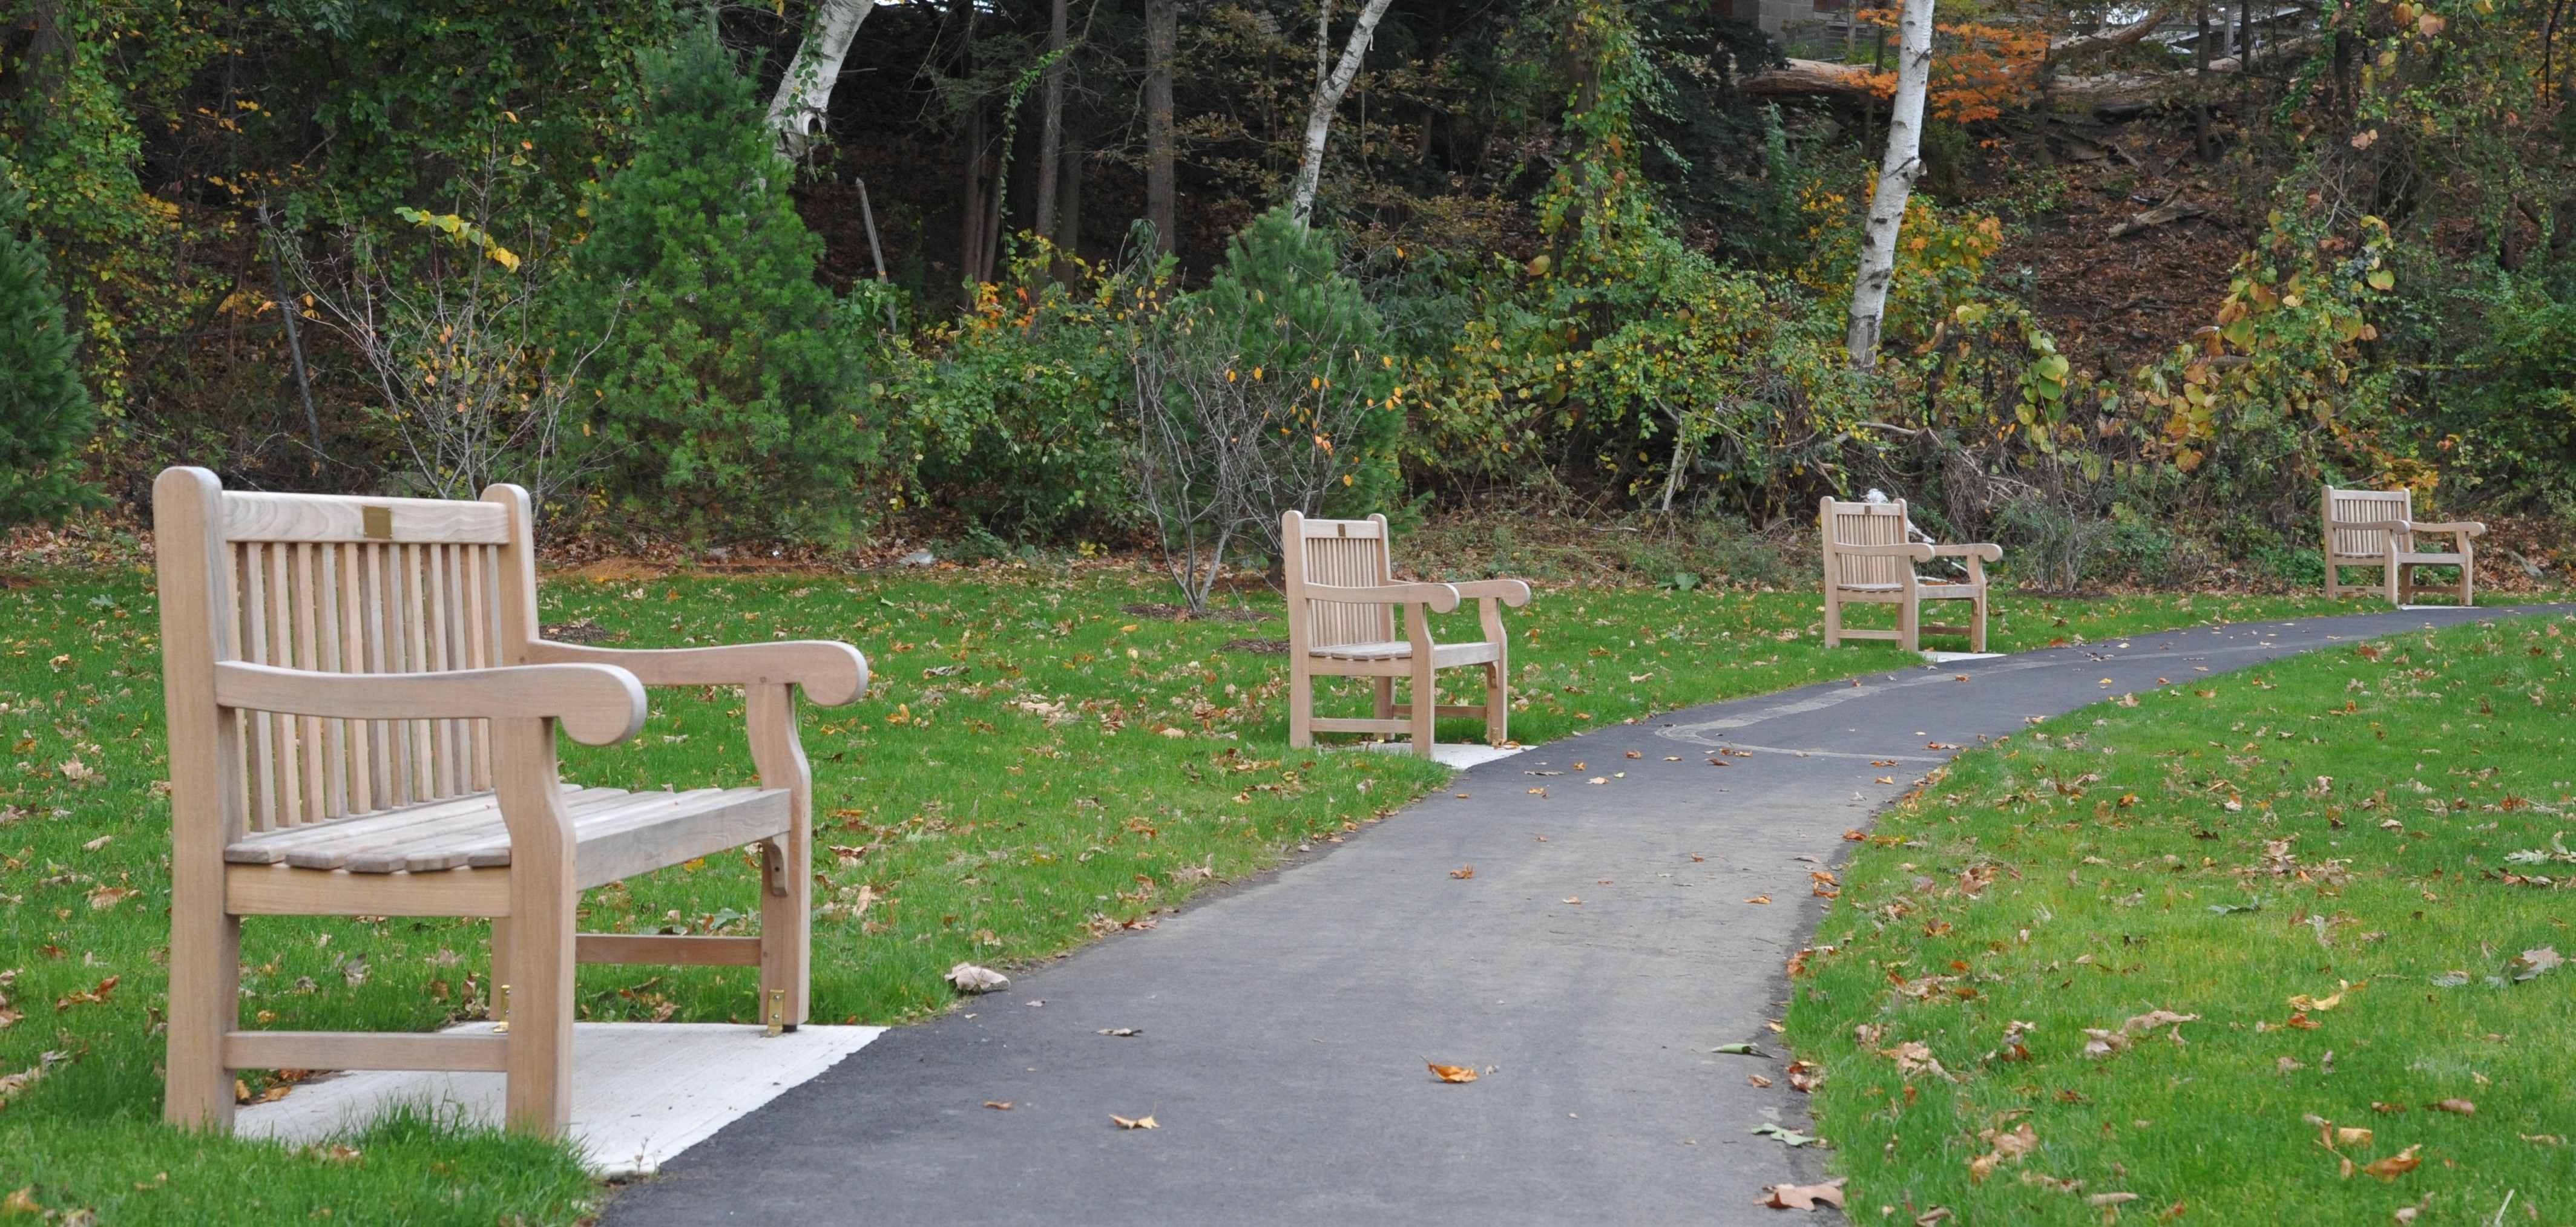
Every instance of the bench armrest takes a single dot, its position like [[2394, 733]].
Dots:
[[1510, 592], [2463, 528], [1986, 551], [597, 705], [2385, 526], [1440, 597], [1916, 551], [832, 673]]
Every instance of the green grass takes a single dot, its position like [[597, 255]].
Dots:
[[2341, 824], [1024, 692]]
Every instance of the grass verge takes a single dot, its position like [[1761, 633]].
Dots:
[[1033, 691], [2331, 867]]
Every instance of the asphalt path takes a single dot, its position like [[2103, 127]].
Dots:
[[1603, 947]]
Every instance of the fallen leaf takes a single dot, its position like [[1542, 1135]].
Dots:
[[2315, 1005], [2526, 966], [1598, 780], [2289, 1065], [1804, 1076], [2112, 1199], [106, 897], [1759, 899], [21, 1202], [1121, 1032], [2396, 1165], [997, 1105], [2543, 1139], [1756, 1080], [1788, 1137], [90, 996], [1463, 871], [1886, 779], [1740, 1050], [1914, 1057], [1576, 900], [2456, 1107], [1141, 1122], [973, 978], [1452, 1073], [1803, 1196], [96, 844], [1937, 1213], [1855, 836]]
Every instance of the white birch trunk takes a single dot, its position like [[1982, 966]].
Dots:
[[805, 93], [1328, 97], [1896, 176]]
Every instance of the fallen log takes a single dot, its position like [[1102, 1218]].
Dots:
[[2163, 214]]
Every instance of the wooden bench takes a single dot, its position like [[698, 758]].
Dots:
[[1870, 560], [362, 723], [1342, 598], [2377, 528]]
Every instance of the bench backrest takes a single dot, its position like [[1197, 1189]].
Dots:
[[1862, 524], [2360, 507], [337, 585], [1342, 554]]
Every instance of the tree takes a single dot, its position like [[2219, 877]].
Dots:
[[805, 93], [725, 391], [1263, 393], [1051, 120], [1162, 31], [1329, 88], [45, 413], [1896, 176]]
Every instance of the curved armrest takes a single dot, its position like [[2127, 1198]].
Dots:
[[597, 705], [2464, 528], [832, 673], [2385, 526], [1440, 597], [1986, 551], [1510, 592], [1914, 550]]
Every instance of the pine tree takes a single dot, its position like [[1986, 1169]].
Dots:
[[45, 413], [727, 393]]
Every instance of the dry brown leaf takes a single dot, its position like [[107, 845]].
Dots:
[[1914, 1057], [1141, 1122], [1803, 1196], [2396, 1165], [1452, 1073], [90, 996], [21, 1202], [2347, 1135], [1804, 1076], [1756, 1080], [1576, 900], [1759, 899], [1463, 871], [2457, 1107], [2112, 1199], [998, 1105], [2315, 1005]]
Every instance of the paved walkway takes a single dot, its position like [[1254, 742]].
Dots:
[[1286, 1023]]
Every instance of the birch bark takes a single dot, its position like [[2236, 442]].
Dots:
[[1896, 176], [1328, 97], [805, 93]]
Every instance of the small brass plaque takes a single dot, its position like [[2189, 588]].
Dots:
[[378, 522]]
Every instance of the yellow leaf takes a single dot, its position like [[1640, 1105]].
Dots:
[[1452, 1073], [1141, 1122]]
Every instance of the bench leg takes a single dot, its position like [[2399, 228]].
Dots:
[[787, 864], [205, 1002], [2468, 575], [1909, 624], [1301, 706], [1833, 618], [1384, 688], [2392, 578], [1498, 702], [538, 938], [1426, 705], [1977, 628]]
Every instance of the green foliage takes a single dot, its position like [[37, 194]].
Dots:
[[1283, 312], [729, 399], [45, 413], [1023, 419]]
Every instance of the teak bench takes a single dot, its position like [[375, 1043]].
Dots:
[[1869, 560], [2377, 528], [362, 723], [1342, 596]]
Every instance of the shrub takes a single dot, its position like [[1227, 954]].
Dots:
[[45, 413], [728, 402]]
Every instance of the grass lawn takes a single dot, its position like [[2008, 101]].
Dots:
[[2332, 866], [1027, 690]]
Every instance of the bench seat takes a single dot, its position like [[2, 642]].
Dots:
[[617, 833]]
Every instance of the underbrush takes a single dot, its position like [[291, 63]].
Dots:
[[2280, 948]]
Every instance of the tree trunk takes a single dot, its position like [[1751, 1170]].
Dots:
[[1328, 97], [1068, 217], [805, 93], [1162, 31], [970, 241], [1051, 122], [1896, 176]]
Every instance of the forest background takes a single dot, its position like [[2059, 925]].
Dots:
[[2171, 268]]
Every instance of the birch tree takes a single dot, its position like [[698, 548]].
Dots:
[[805, 93], [1329, 88], [1896, 176]]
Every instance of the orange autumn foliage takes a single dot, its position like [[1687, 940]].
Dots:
[[1976, 69]]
